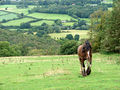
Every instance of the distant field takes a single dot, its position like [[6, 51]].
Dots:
[[12, 8], [2, 13], [107, 1], [68, 24], [43, 21], [51, 16], [2, 7], [82, 33], [86, 19], [110, 9], [17, 22], [60, 72], [7, 17]]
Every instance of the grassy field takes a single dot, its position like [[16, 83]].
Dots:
[[59, 73], [51, 16], [82, 33], [2, 13], [108, 1], [17, 22], [8, 16], [43, 21], [12, 8], [68, 24]]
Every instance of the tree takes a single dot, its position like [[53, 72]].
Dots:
[[57, 29], [69, 47], [69, 36], [111, 41], [76, 37], [25, 25], [58, 22], [105, 30], [81, 22]]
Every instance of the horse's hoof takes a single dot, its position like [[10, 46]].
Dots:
[[84, 74], [88, 71]]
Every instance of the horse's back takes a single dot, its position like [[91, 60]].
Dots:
[[79, 50]]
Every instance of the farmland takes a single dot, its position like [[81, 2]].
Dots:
[[12, 8], [17, 22], [82, 33], [59, 72], [8, 17], [43, 21], [12, 13], [51, 16]]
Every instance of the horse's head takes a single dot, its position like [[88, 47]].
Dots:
[[87, 45]]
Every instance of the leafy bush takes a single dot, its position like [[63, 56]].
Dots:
[[76, 37], [69, 36], [25, 25], [69, 47]]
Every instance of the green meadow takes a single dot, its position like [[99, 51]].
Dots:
[[8, 16], [83, 34], [41, 22], [60, 72], [68, 24], [108, 1], [12, 8], [2, 13], [17, 22], [51, 16]]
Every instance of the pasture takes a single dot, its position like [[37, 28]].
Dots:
[[108, 1], [82, 33], [41, 22], [68, 24], [60, 72], [17, 22], [12, 8], [3, 13], [51, 16], [8, 16]]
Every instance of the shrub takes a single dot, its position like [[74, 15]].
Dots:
[[69, 36], [69, 47]]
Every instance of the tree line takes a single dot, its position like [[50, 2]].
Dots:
[[105, 30]]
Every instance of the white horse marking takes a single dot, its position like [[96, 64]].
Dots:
[[88, 54]]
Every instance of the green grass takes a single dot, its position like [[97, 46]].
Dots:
[[82, 33], [43, 21], [12, 8], [86, 19], [108, 1], [8, 16], [68, 24], [2, 7], [59, 73], [2, 13], [17, 22], [51, 16]]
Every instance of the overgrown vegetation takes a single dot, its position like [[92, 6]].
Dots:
[[19, 44], [105, 32]]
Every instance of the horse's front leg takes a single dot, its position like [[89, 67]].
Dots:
[[89, 62], [83, 67]]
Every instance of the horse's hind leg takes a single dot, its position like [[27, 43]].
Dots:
[[80, 66]]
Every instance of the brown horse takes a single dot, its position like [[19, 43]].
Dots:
[[85, 53]]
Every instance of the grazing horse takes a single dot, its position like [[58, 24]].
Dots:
[[85, 53]]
